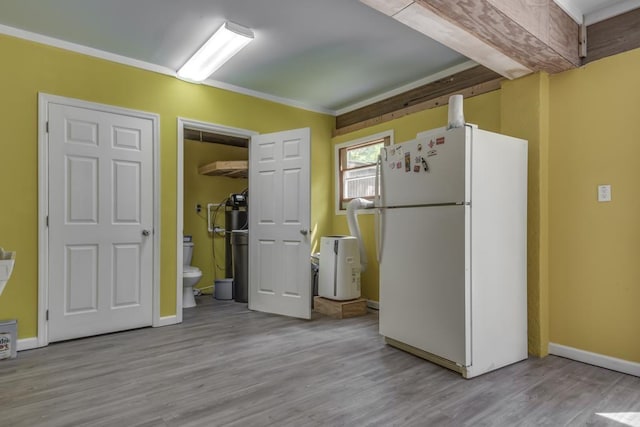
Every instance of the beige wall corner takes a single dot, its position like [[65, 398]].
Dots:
[[525, 114]]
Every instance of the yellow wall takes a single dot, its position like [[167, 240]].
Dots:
[[595, 247], [583, 130], [38, 68], [483, 110], [203, 189], [525, 114]]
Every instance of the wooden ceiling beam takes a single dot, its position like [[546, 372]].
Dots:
[[510, 37], [614, 35], [471, 82]]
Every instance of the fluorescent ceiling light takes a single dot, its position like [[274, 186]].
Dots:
[[222, 45]]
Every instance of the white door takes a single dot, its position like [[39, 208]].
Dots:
[[279, 218], [100, 222], [424, 280]]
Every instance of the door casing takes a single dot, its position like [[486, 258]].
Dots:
[[43, 202], [206, 127]]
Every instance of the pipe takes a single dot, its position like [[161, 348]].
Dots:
[[354, 228]]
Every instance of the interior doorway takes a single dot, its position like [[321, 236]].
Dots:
[[207, 172]]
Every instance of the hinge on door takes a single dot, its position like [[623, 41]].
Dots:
[[46, 317], [47, 220], [47, 126]]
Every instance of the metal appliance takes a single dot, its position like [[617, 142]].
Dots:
[[235, 219]]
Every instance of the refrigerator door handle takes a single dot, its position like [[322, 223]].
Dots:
[[378, 220], [376, 197], [378, 213]]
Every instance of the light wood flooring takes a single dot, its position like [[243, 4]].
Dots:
[[227, 366]]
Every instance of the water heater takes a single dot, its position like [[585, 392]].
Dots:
[[339, 277]]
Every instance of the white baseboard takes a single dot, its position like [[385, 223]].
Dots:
[[373, 304], [620, 365], [27, 343], [167, 320]]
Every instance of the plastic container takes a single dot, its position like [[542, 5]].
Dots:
[[223, 289]]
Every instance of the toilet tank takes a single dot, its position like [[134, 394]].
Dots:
[[187, 253]]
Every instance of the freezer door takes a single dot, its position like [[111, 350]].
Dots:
[[427, 170], [425, 280]]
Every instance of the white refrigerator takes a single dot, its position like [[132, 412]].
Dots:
[[451, 235]]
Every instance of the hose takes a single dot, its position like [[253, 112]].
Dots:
[[354, 228]]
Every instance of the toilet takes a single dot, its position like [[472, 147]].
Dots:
[[190, 276]]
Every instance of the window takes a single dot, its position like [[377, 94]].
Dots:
[[356, 168]]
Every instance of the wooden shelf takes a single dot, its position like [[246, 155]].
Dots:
[[230, 168]]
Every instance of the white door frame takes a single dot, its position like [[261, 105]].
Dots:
[[43, 202], [205, 127]]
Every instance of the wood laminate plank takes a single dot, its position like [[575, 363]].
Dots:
[[228, 366], [474, 81], [614, 35]]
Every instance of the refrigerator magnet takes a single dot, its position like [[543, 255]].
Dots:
[[399, 165], [431, 144], [416, 168], [419, 147], [440, 141], [425, 165], [432, 153], [407, 162]]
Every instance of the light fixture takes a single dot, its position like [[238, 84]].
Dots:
[[222, 45]]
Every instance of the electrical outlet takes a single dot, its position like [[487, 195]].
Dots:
[[604, 193]]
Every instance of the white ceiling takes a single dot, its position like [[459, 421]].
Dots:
[[325, 55], [591, 11]]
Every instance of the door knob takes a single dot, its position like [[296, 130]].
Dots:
[[304, 232], [146, 232]]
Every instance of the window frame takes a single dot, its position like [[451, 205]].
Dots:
[[338, 173]]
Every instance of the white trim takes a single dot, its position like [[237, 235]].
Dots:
[[273, 98], [336, 166], [373, 304], [179, 216], [108, 56], [207, 127], [620, 365], [43, 212], [28, 343], [610, 11], [167, 320], [157, 209], [84, 50], [43, 201], [409, 86]]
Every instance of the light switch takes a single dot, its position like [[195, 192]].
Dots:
[[604, 193]]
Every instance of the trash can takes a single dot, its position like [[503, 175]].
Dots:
[[240, 253]]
